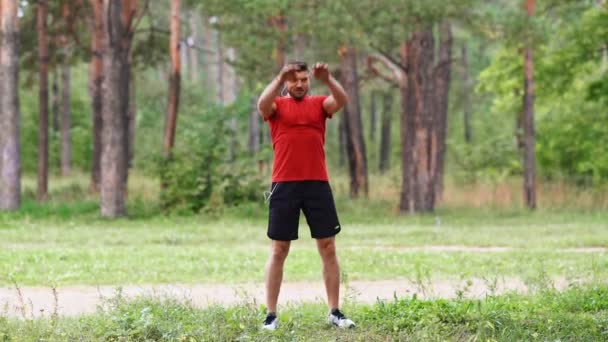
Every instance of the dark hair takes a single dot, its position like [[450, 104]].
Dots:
[[301, 66]]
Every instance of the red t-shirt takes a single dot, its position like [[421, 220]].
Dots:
[[298, 135]]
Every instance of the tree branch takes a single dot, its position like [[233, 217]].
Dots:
[[398, 77], [390, 58], [145, 10]]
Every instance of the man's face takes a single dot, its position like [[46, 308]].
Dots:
[[298, 86]]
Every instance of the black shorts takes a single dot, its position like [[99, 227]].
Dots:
[[314, 198]]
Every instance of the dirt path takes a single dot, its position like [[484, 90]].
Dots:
[[76, 300]]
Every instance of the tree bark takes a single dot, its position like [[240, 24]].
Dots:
[[220, 69], [208, 61], [194, 20], [529, 134], [466, 99], [10, 162], [254, 127], [43, 101], [355, 144], [407, 132], [443, 79], [174, 78], [341, 141], [66, 146], [373, 113], [118, 16], [385, 134], [95, 89], [132, 119], [55, 100], [300, 45], [421, 89]]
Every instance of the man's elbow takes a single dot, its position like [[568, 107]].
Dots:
[[341, 102], [264, 112]]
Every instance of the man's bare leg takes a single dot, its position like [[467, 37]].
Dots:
[[331, 270], [274, 272]]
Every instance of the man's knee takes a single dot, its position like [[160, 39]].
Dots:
[[327, 247], [280, 249]]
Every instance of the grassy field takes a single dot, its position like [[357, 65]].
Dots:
[[473, 234], [578, 314], [66, 242]]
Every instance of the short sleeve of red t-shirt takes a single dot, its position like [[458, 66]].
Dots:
[[298, 137]]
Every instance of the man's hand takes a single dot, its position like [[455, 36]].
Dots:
[[321, 72], [288, 73]]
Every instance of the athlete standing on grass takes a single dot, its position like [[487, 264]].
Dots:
[[299, 178]]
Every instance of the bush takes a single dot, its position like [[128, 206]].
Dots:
[[206, 169]]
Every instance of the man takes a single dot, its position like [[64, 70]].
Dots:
[[299, 178]]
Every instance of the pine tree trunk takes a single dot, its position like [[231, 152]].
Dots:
[[114, 172], [355, 144], [95, 89], [421, 100], [194, 22], [407, 133], [174, 78], [66, 146], [300, 45], [208, 61], [342, 140], [528, 121], [10, 162], [43, 101], [254, 127], [132, 119], [55, 100], [220, 69], [385, 138], [373, 113], [466, 98], [443, 79]]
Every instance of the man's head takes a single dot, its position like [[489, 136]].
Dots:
[[297, 83]]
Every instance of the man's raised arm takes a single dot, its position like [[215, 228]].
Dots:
[[266, 105], [338, 97]]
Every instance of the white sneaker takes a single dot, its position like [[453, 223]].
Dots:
[[338, 319], [271, 323]]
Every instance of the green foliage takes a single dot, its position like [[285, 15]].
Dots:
[[570, 79], [548, 315], [81, 127], [576, 314], [490, 158], [205, 170]]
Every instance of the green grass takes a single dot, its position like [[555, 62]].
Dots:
[[61, 243], [578, 314]]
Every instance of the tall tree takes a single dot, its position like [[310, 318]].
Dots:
[[194, 21], [528, 120], [373, 113], [95, 89], [43, 101], [355, 144], [421, 57], [66, 145], [55, 100], [443, 71], [118, 18], [385, 133], [254, 127], [466, 98], [174, 78], [10, 162], [132, 118]]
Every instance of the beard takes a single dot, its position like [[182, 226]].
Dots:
[[297, 94]]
